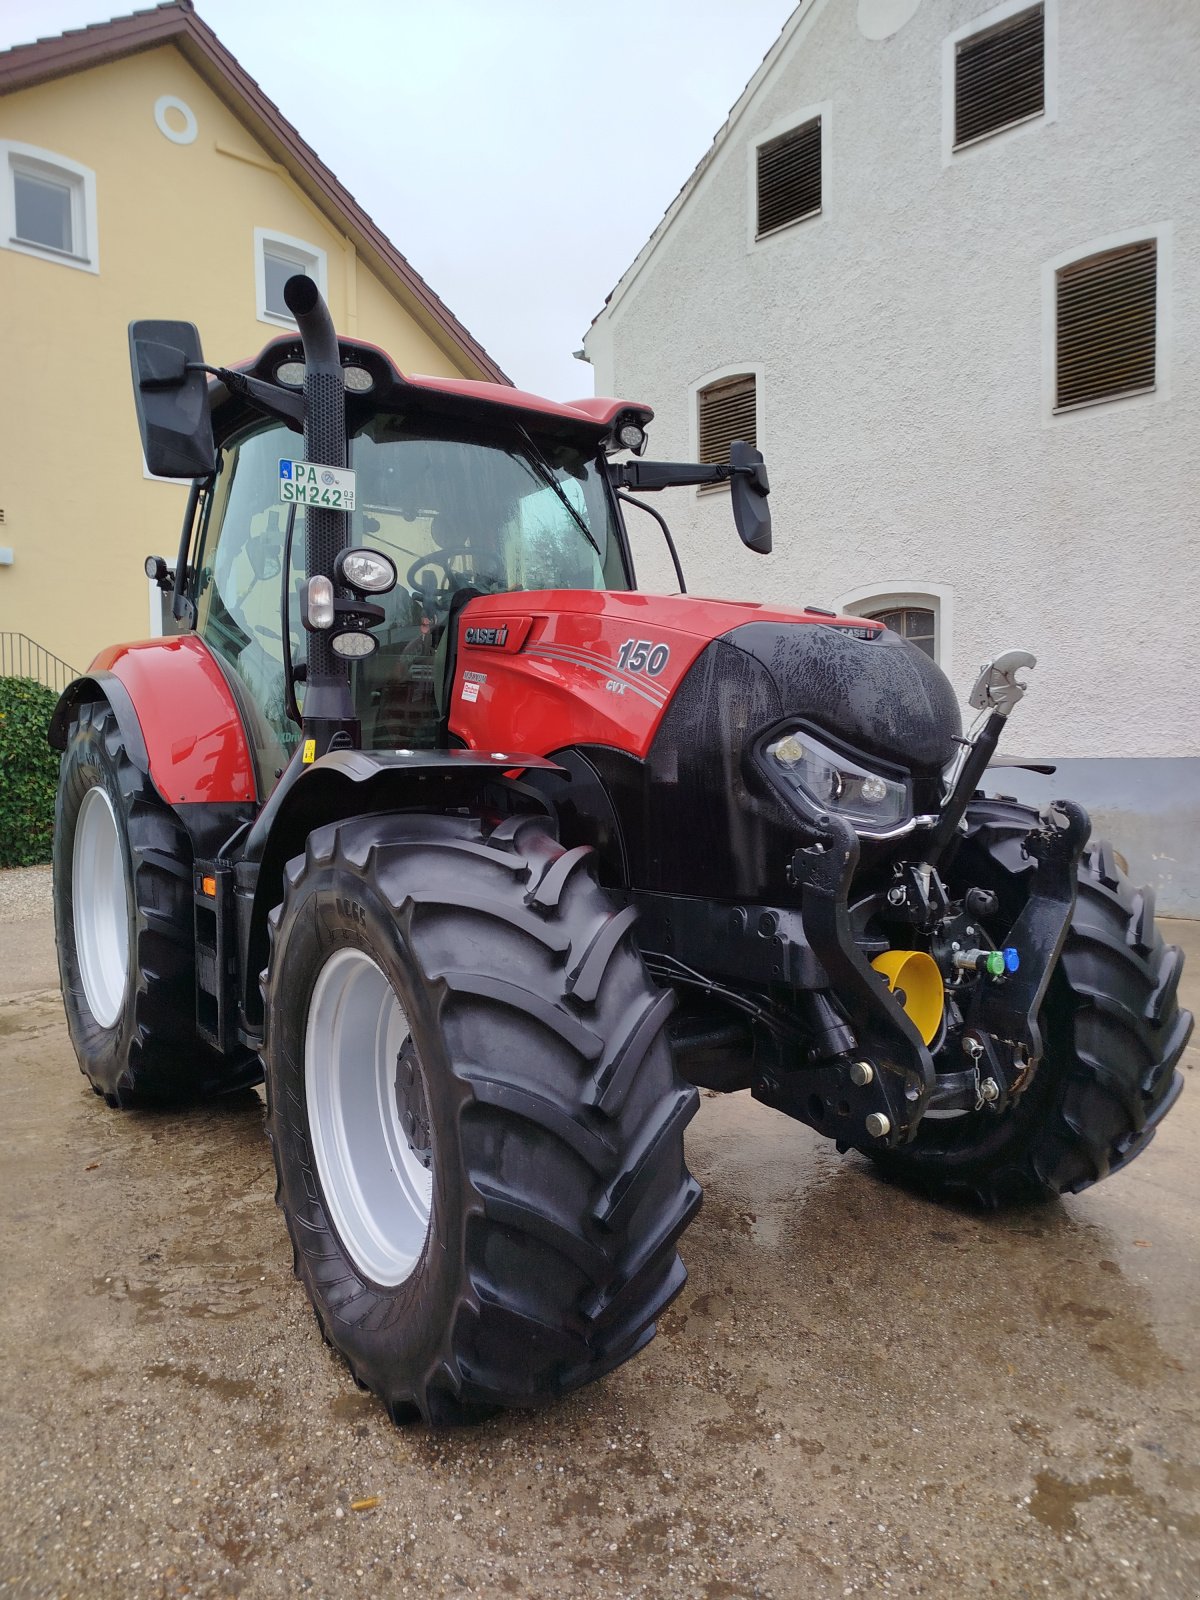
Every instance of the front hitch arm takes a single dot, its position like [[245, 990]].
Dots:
[[884, 1085], [1010, 1008]]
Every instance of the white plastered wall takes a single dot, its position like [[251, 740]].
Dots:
[[900, 344]]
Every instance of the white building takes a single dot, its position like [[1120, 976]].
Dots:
[[943, 264]]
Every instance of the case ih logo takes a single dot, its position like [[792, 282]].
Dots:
[[492, 636]]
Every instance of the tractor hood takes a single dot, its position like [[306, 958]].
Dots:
[[881, 695]]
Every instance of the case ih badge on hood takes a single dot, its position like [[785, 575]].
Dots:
[[376, 823], [497, 637]]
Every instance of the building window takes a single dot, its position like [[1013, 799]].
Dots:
[[914, 623], [277, 257], [919, 611], [49, 206], [1106, 325], [1000, 76], [726, 411], [789, 178]]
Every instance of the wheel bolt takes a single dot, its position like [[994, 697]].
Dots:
[[878, 1126]]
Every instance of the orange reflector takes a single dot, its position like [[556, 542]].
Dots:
[[208, 886]]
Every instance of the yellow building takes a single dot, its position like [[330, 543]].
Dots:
[[143, 173]]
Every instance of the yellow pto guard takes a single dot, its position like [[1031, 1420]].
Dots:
[[919, 982]]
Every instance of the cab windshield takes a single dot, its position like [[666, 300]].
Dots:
[[462, 518], [462, 512], [459, 515]]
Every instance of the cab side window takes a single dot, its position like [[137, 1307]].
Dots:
[[240, 580]]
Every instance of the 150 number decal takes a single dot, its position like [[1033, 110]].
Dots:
[[640, 655]]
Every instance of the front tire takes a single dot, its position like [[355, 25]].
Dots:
[[1112, 1028], [476, 1122], [124, 929]]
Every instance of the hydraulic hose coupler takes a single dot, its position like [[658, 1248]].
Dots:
[[991, 963]]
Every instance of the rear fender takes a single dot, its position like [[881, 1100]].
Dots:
[[355, 783], [177, 715]]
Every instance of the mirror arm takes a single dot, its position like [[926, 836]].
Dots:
[[286, 404], [181, 606], [648, 475]]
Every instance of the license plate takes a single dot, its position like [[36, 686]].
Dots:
[[310, 485]]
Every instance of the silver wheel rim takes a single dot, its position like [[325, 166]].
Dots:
[[377, 1188], [100, 907]]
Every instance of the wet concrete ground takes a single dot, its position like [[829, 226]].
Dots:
[[859, 1393]]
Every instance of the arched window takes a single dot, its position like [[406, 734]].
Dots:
[[914, 623], [919, 611], [725, 405]]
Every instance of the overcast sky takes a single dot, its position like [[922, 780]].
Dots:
[[519, 152]]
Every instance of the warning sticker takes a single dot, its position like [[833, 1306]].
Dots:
[[470, 691]]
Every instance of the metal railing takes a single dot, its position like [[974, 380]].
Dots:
[[23, 657]]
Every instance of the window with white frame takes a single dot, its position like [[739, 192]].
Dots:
[[788, 172], [1106, 325], [48, 206], [999, 76], [919, 611], [914, 623], [278, 257], [726, 411]]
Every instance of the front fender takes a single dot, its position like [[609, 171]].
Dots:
[[354, 783]]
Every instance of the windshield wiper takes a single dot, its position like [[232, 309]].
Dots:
[[546, 473]]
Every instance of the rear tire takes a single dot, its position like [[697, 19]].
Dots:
[[124, 928], [498, 1020], [1112, 1028]]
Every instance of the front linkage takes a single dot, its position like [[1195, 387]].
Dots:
[[878, 1076]]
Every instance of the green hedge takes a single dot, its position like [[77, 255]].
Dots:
[[28, 772]]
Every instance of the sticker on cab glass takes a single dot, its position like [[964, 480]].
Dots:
[[305, 483]]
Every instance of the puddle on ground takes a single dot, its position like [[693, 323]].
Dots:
[[30, 1015], [1056, 1501], [356, 1406], [197, 1378], [237, 1293]]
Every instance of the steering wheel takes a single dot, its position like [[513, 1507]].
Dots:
[[439, 561]]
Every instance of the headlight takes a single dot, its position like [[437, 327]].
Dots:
[[806, 768]]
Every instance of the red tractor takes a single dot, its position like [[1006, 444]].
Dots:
[[489, 859]]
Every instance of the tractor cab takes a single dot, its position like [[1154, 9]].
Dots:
[[459, 512]]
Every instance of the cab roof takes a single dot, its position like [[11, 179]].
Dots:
[[391, 389]]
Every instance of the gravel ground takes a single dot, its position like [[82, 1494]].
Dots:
[[24, 894], [858, 1393]]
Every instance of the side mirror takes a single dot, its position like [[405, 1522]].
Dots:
[[171, 400], [749, 490]]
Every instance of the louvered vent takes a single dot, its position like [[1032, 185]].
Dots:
[[1000, 77], [789, 177], [727, 412], [1107, 315]]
